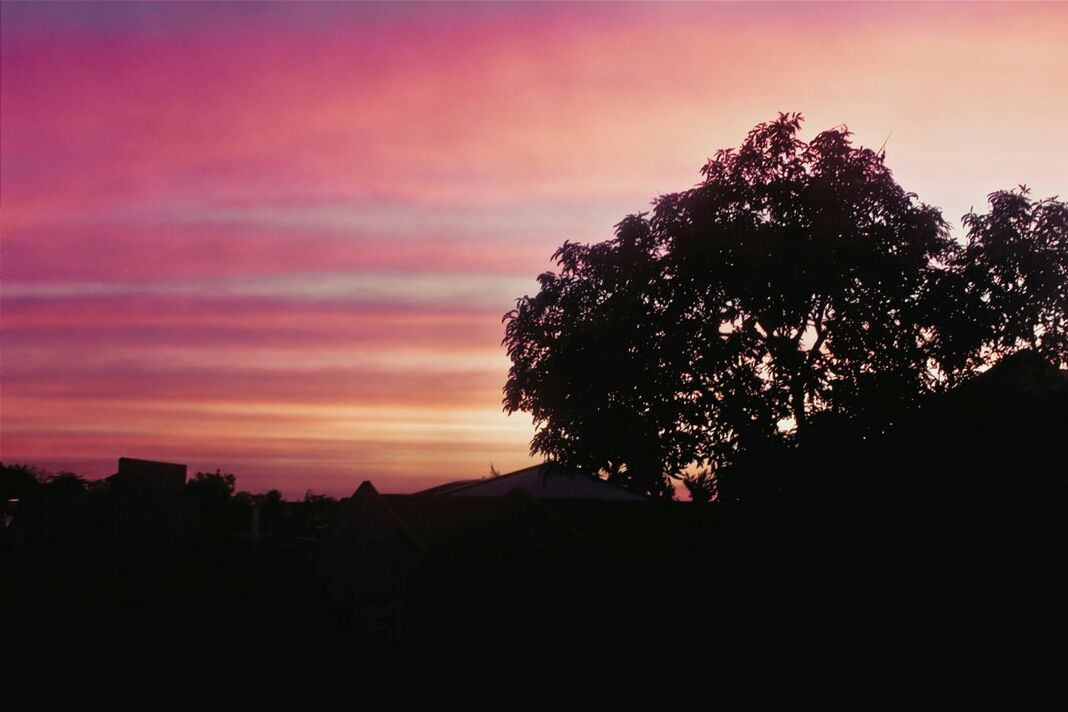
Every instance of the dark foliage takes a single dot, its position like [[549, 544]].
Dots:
[[796, 282], [211, 486], [793, 280], [1007, 290]]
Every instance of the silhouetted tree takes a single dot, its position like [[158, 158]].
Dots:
[[795, 279], [213, 492], [18, 480], [1007, 290], [214, 486], [317, 509], [66, 483]]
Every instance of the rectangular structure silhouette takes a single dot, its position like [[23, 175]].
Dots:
[[149, 473]]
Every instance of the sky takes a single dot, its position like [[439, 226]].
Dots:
[[278, 239]]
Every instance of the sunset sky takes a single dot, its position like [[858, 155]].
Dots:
[[278, 239]]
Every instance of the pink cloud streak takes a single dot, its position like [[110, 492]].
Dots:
[[305, 208]]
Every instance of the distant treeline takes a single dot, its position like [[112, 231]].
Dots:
[[208, 506]]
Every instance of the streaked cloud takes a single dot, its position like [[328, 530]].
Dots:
[[278, 238], [436, 289]]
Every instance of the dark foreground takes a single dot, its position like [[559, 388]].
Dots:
[[681, 572], [947, 529]]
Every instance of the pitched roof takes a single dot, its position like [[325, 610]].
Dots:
[[447, 487], [544, 481]]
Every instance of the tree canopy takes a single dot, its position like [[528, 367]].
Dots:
[[796, 280], [1007, 289]]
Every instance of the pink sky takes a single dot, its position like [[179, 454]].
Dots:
[[278, 239]]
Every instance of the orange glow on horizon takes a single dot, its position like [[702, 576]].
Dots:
[[278, 239]]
